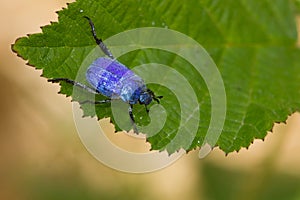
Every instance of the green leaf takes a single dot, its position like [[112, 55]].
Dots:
[[253, 43], [297, 6]]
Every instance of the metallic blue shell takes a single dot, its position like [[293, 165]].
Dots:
[[114, 80]]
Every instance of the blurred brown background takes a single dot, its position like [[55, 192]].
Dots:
[[41, 156]]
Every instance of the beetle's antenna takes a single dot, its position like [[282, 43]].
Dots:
[[156, 98], [99, 41]]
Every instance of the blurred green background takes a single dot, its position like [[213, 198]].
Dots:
[[41, 156]]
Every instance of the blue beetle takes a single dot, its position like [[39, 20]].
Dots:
[[112, 79]]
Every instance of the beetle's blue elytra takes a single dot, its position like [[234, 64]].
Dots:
[[114, 80]]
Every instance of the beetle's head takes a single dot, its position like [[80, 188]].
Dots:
[[147, 96]]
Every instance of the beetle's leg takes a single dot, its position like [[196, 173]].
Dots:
[[132, 119], [77, 84], [147, 110], [99, 41]]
